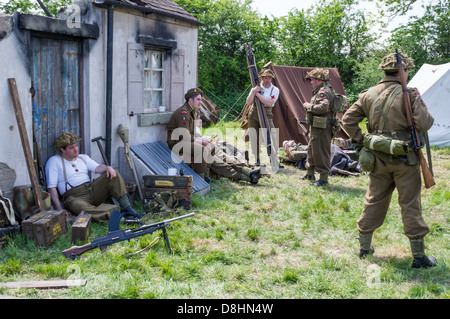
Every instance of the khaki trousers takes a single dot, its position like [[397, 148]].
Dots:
[[319, 150], [90, 197], [382, 182], [254, 132]]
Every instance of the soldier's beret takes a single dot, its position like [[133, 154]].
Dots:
[[192, 92]]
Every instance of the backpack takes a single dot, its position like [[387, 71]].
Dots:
[[340, 103]]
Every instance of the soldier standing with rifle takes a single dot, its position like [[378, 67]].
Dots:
[[387, 116]]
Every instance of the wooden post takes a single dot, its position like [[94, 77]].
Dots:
[[25, 143]]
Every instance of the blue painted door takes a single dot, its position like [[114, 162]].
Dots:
[[56, 90]]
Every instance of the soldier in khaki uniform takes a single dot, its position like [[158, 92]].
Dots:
[[319, 116], [390, 172], [267, 94], [184, 139], [68, 175]]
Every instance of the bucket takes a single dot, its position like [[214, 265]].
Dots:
[[172, 171]]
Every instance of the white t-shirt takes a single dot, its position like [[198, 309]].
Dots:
[[77, 172], [271, 92]]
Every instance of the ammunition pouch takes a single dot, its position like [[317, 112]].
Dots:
[[162, 204], [320, 121], [335, 126], [366, 159]]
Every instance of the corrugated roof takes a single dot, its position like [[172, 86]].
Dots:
[[158, 158], [163, 7]]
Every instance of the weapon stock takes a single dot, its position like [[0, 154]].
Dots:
[[264, 122], [427, 175], [116, 236]]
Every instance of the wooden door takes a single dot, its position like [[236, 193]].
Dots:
[[57, 103]]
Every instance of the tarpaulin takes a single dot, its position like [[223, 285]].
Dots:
[[294, 91]]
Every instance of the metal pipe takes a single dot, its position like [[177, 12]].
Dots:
[[109, 81]]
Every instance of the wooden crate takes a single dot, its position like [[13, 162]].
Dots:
[[81, 227], [46, 228], [27, 224], [167, 181]]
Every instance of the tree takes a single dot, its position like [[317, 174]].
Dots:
[[27, 6], [426, 38]]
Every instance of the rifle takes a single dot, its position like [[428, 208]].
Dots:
[[264, 122], [417, 145], [116, 236]]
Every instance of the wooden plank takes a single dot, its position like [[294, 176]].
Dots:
[[25, 144], [45, 284]]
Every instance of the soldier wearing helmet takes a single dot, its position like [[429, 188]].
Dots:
[[68, 175], [267, 94], [319, 116], [384, 109]]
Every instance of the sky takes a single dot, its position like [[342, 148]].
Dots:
[[282, 7]]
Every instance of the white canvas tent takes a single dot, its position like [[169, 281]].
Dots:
[[433, 83]]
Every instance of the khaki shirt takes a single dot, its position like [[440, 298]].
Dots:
[[364, 108], [321, 100], [183, 117]]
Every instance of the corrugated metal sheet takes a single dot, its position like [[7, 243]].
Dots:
[[157, 156]]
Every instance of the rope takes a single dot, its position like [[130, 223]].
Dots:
[[229, 108]]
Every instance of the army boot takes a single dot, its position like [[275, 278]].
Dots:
[[365, 245], [309, 175], [418, 252], [323, 180]]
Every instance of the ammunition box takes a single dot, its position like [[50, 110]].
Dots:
[[81, 228], [6, 232], [45, 227], [27, 224], [167, 181], [163, 183]]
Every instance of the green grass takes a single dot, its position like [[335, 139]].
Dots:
[[282, 238]]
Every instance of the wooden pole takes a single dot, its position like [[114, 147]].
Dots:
[[25, 143]]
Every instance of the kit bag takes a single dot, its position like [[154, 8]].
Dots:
[[340, 103], [385, 144], [7, 217]]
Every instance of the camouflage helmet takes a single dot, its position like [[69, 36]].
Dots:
[[66, 138], [267, 72], [319, 73], [190, 93], [389, 63]]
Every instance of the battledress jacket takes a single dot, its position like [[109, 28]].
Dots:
[[364, 108], [183, 117]]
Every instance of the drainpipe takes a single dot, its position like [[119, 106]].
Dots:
[[109, 80], [109, 71]]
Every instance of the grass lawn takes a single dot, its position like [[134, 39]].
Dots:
[[280, 239]]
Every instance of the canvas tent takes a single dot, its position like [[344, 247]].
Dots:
[[294, 91], [433, 83]]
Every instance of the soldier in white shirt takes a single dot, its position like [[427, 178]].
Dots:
[[68, 175], [268, 94]]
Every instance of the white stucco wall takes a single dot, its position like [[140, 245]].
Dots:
[[13, 65], [128, 25]]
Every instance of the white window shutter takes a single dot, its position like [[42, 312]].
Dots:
[[177, 84], [135, 78]]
